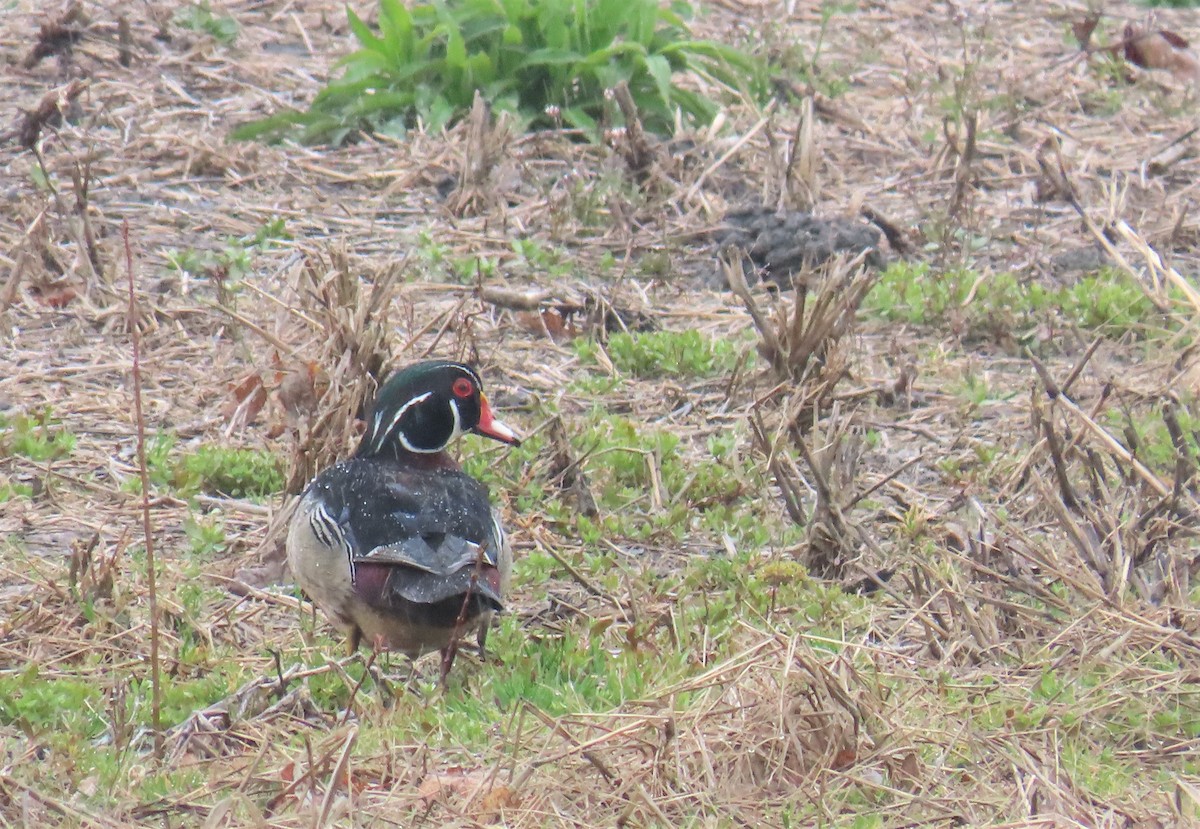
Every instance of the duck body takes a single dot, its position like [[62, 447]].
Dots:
[[398, 545]]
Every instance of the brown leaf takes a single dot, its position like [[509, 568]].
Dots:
[[1174, 39], [1163, 49], [299, 392], [499, 798], [1052, 183], [56, 297], [246, 580], [906, 770], [459, 782], [844, 759], [54, 106], [1083, 29], [549, 322], [454, 781], [247, 399]]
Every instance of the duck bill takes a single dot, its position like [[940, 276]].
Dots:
[[493, 428]]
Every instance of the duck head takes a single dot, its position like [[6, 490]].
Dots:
[[422, 408]]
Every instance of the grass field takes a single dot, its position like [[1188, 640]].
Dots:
[[917, 548]]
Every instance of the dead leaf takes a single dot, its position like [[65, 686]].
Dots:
[[844, 759], [246, 580], [499, 798], [299, 391], [454, 781], [906, 770], [1162, 49], [459, 782], [1187, 371], [248, 398], [56, 297], [551, 322], [1052, 183], [1083, 29]]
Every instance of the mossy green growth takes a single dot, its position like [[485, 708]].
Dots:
[[39, 437], [199, 17], [1000, 306], [664, 353], [51, 704], [220, 470], [1146, 435]]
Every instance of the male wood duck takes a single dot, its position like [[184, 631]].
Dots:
[[398, 544]]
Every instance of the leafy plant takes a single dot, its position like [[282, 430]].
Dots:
[[236, 472], [35, 437], [10, 490], [1004, 306], [665, 353], [199, 17], [205, 537], [550, 62], [228, 267]]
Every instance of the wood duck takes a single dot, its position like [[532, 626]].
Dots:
[[397, 543]]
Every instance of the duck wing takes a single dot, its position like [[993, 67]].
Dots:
[[411, 535]]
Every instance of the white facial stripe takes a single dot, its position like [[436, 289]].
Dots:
[[457, 420], [381, 434]]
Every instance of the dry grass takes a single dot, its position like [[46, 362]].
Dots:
[[1005, 628]]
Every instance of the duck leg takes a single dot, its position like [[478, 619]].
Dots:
[[481, 639]]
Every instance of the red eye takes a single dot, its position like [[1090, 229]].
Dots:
[[463, 387]]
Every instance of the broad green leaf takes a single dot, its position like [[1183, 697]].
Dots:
[[660, 71], [396, 24], [456, 50], [607, 54], [480, 70], [440, 113], [362, 63], [580, 120], [364, 35], [551, 57]]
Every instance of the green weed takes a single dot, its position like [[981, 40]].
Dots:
[[1147, 437], [205, 537], [10, 490], [550, 62], [1108, 301], [50, 704], [39, 437], [1000, 306], [222, 470], [233, 263], [238, 473], [199, 17], [664, 353]]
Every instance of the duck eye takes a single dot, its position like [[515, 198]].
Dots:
[[463, 387]]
